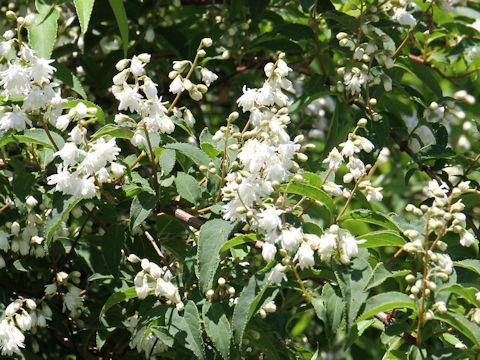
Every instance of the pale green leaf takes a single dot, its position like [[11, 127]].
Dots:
[[122, 22], [188, 188], [386, 302], [84, 11], [42, 34]]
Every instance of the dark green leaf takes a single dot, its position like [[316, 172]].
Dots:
[[218, 327], [192, 152], [142, 206]]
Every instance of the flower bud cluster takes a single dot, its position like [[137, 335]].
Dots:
[[21, 316], [152, 277]]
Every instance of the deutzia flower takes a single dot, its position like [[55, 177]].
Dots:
[[268, 251], [41, 70], [277, 274], [128, 97], [305, 256], [15, 80], [141, 285], [4, 243], [11, 339], [404, 17], [68, 153], [467, 239], [335, 159], [15, 119], [208, 76], [176, 86], [291, 238], [247, 100], [269, 219]]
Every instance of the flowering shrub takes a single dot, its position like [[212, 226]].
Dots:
[[274, 180]]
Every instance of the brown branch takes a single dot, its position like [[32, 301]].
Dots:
[[153, 242], [421, 60]]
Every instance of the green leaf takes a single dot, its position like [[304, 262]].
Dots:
[[84, 10], [117, 297], [122, 22], [313, 193], [352, 280], [142, 206], [62, 205], [192, 152], [329, 309], [386, 302], [113, 130], [382, 238], [186, 329], [100, 115], [42, 35], [470, 264], [380, 273], [113, 242], [247, 303], [468, 293], [167, 160], [238, 240], [213, 234], [68, 78], [371, 217], [218, 327], [188, 188], [38, 136], [460, 323]]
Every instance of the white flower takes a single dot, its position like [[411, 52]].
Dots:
[[334, 158], [247, 100], [349, 148], [354, 80], [15, 119], [141, 285], [24, 321], [77, 134], [15, 80], [150, 89], [31, 201], [189, 119], [208, 76], [72, 299], [166, 125], [476, 316], [477, 296], [305, 256], [277, 274], [269, 219], [137, 66], [129, 98], [177, 85], [467, 239], [12, 308], [265, 95], [42, 71], [270, 307], [291, 238], [168, 290], [328, 242], [356, 167], [68, 153], [117, 169], [11, 339], [5, 47], [403, 17], [332, 189], [62, 122], [364, 143], [4, 243], [268, 251]]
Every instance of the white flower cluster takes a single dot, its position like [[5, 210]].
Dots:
[[442, 216], [20, 316], [28, 77], [82, 169], [153, 277], [141, 96], [72, 298], [357, 171], [24, 239]]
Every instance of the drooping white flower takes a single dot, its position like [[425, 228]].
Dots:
[[208, 76], [403, 17], [15, 119], [268, 251], [24, 321], [335, 158], [265, 95], [129, 98], [42, 70], [467, 239], [269, 219], [328, 241], [277, 274], [176, 85], [305, 256], [150, 89], [137, 66], [15, 80], [11, 339], [68, 153], [141, 285], [349, 148], [291, 238], [247, 100]]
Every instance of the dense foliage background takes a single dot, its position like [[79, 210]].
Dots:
[[355, 236]]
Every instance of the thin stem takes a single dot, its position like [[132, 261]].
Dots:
[[224, 163], [45, 126], [352, 194], [300, 282], [5, 207], [153, 242], [142, 154], [154, 163]]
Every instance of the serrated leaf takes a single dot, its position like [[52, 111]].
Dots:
[[167, 160], [217, 327], [186, 329], [380, 273], [122, 22], [238, 240], [246, 304], [61, 207], [142, 206], [42, 35], [36, 136], [192, 152], [381, 238], [213, 234], [113, 130], [470, 264], [117, 297], [84, 10], [386, 302], [313, 193], [188, 188], [461, 324], [329, 309], [371, 217], [468, 293], [352, 280]]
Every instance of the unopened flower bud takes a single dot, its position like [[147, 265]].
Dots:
[[207, 42]]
